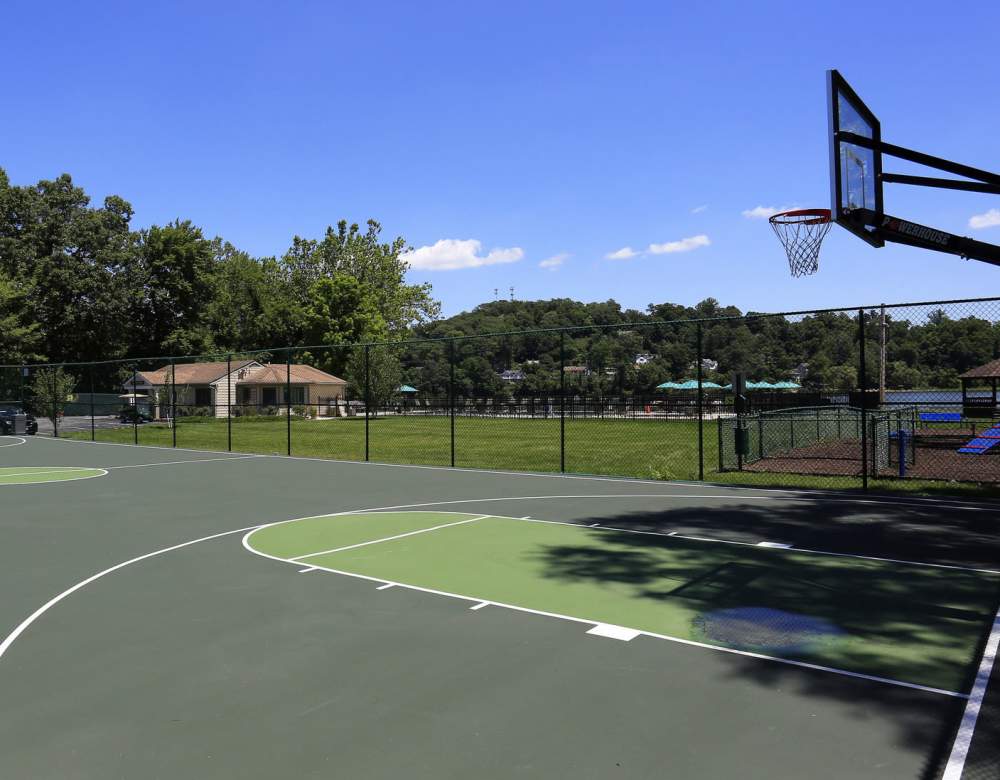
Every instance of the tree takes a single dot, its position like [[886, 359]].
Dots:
[[19, 336], [379, 267], [375, 374], [51, 389], [171, 284], [340, 310], [68, 256]]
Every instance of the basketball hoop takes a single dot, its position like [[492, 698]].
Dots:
[[801, 232]]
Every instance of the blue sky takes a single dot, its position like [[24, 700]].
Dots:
[[495, 138]]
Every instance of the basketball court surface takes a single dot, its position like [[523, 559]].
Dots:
[[172, 613]]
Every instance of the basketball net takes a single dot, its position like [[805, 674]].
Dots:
[[801, 233]]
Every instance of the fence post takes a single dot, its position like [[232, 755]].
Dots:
[[562, 401], [229, 402], [368, 398], [135, 406], [719, 427], [863, 382], [701, 420], [451, 396], [173, 401], [93, 427], [55, 406], [288, 399]]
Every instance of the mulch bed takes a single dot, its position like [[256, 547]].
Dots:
[[936, 458]]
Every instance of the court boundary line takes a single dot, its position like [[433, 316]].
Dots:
[[56, 470], [181, 462], [840, 495], [478, 600], [967, 726], [21, 441]]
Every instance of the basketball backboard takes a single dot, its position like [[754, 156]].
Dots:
[[855, 171], [857, 178]]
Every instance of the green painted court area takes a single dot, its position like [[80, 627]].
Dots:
[[33, 475], [912, 623]]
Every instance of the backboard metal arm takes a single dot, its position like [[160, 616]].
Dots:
[[947, 184], [902, 231], [920, 158]]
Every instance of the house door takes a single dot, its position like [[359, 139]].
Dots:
[[269, 396]]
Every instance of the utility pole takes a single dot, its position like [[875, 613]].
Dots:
[[511, 294]]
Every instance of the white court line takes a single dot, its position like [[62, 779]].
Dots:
[[388, 538], [963, 740], [386, 586], [584, 621], [64, 470], [480, 605], [615, 529], [13, 444], [609, 631], [24, 624], [181, 462], [734, 491], [53, 470], [307, 569]]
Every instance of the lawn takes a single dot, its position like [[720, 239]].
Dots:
[[643, 448]]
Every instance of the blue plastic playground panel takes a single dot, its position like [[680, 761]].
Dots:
[[987, 440]]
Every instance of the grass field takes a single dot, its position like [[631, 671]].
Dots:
[[648, 449], [840, 612]]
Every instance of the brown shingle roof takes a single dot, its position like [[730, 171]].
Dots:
[[192, 373], [989, 370], [275, 374]]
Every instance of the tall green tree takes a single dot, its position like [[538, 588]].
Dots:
[[68, 255], [171, 284], [20, 336], [378, 266]]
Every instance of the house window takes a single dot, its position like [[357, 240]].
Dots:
[[243, 395], [269, 396], [298, 395], [203, 396]]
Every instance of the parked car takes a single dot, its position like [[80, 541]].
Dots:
[[131, 415], [7, 413]]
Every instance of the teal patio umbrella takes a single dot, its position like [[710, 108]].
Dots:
[[407, 389], [786, 386], [669, 386], [692, 384]]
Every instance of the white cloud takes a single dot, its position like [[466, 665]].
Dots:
[[990, 219], [763, 212], [552, 263], [451, 254], [684, 245], [625, 253], [699, 209]]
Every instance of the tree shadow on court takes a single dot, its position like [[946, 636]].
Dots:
[[911, 606]]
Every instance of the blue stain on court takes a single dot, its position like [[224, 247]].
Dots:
[[759, 629]]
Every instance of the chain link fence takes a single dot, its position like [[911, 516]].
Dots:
[[893, 396]]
